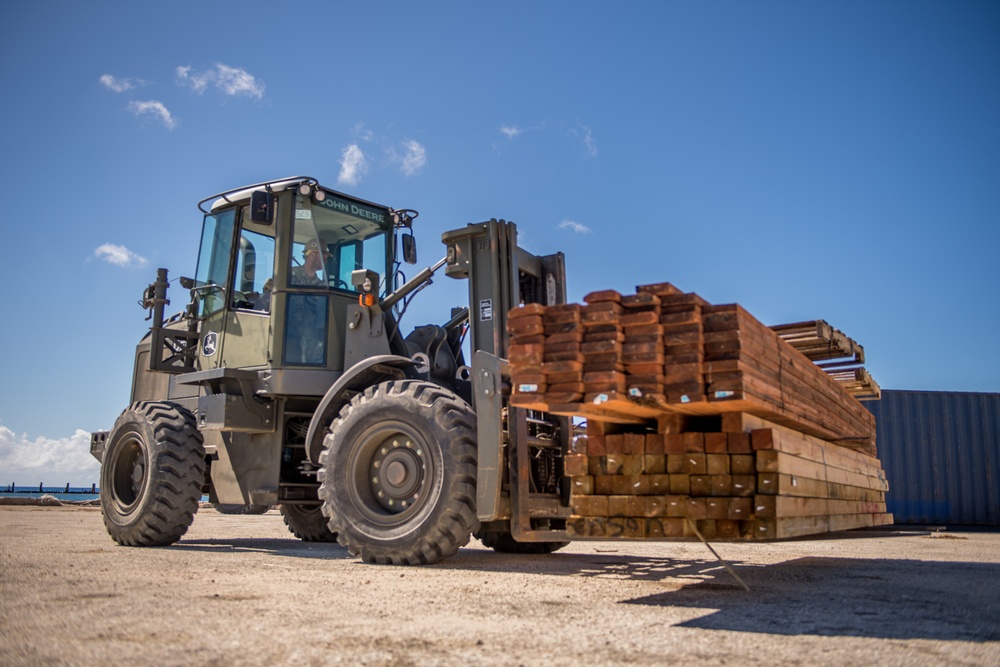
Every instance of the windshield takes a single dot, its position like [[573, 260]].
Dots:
[[334, 237]]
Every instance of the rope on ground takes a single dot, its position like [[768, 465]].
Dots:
[[714, 553]]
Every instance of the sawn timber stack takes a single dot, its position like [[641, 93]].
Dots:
[[699, 417], [615, 361]]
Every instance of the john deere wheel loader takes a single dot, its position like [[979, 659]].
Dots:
[[287, 381]]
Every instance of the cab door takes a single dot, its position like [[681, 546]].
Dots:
[[211, 284], [247, 326], [233, 281]]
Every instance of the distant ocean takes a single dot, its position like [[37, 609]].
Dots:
[[61, 492]]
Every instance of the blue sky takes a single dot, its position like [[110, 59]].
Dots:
[[836, 161]]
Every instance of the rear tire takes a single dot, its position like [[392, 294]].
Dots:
[[398, 474], [504, 542], [241, 509], [307, 523], [152, 474]]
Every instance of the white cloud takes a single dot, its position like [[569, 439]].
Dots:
[[236, 81], [54, 462], [574, 227], [119, 255], [155, 109], [233, 81], [587, 138], [353, 165], [119, 85], [413, 159], [510, 131], [362, 132], [580, 133], [196, 82]]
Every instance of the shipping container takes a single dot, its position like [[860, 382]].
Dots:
[[941, 455]]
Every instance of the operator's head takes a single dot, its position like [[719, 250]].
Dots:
[[314, 246]]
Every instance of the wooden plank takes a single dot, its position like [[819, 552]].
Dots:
[[526, 310], [603, 296], [783, 463], [778, 438], [789, 506], [646, 301], [791, 485], [785, 527], [659, 289], [589, 410]]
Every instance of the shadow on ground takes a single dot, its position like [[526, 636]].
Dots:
[[290, 547], [890, 599], [878, 598], [883, 598]]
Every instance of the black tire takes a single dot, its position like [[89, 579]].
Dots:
[[307, 523], [398, 474], [241, 509], [504, 542], [152, 474]]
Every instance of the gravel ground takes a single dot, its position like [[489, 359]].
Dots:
[[241, 590]]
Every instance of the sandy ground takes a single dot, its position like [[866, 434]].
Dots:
[[241, 590]]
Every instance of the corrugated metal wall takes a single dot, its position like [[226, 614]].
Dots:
[[941, 455]]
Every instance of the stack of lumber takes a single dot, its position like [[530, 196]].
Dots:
[[857, 381], [546, 352], [755, 481], [840, 356], [700, 419], [684, 344], [662, 351], [818, 341]]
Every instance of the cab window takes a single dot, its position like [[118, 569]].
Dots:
[[333, 238], [212, 274], [252, 275]]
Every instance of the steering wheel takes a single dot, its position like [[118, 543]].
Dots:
[[240, 300]]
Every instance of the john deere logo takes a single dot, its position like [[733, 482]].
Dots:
[[210, 344]]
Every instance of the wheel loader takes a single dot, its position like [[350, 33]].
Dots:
[[287, 380]]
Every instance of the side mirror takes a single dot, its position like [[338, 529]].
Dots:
[[409, 249], [262, 207]]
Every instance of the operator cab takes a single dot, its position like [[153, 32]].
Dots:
[[273, 280]]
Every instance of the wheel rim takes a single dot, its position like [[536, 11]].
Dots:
[[128, 473], [393, 474]]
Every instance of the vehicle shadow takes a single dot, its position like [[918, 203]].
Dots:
[[291, 547]]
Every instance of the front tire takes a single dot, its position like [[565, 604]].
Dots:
[[398, 474], [152, 474]]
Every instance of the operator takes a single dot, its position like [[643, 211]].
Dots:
[[306, 314], [263, 301], [314, 256]]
